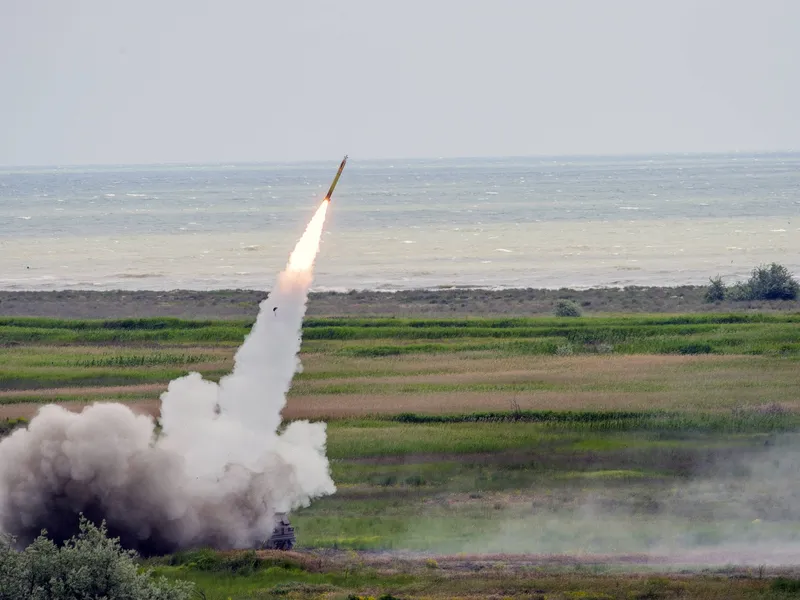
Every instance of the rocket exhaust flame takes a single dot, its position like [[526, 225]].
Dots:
[[304, 253], [215, 475]]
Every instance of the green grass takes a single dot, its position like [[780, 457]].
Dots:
[[277, 582], [509, 482], [748, 421], [709, 333], [354, 578], [243, 575], [143, 360], [42, 335], [9, 425], [407, 434], [447, 484], [682, 319], [484, 481], [37, 398], [146, 324], [57, 377], [38, 353]]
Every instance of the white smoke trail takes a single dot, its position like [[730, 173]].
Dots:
[[217, 473]]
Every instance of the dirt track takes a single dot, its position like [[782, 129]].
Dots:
[[683, 562]]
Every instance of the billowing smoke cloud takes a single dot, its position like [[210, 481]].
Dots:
[[217, 472]]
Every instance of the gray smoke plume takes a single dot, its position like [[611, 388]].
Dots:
[[217, 472], [740, 508]]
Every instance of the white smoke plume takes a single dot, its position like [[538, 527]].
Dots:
[[217, 472]]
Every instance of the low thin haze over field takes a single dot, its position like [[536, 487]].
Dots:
[[249, 80]]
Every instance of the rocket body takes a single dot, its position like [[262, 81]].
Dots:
[[336, 179]]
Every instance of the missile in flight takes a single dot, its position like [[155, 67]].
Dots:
[[336, 179]]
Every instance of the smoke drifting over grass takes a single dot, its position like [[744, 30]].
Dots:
[[741, 508], [217, 472]]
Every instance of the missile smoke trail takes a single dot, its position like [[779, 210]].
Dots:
[[217, 472]]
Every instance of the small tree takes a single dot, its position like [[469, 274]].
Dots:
[[739, 292], [773, 282], [567, 308], [715, 291], [89, 566]]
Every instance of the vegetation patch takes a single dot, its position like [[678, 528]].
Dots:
[[9, 425], [767, 282], [89, 565], [639, 409]]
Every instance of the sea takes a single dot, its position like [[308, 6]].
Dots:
[[494, 223]]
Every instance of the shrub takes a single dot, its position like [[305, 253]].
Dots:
[[696, 348], [564, 350], [415, 480], [296, 589], [89, 565], [716, 291], [739, 292], [786, 585], [9, 425], [567, 308], [772, 282]]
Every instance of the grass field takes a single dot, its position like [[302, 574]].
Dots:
[[362, 576], [357, 366], [648, 456]]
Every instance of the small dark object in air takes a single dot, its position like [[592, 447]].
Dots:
[[273, 311]]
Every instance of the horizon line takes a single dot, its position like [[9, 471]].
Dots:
[[697, 153]]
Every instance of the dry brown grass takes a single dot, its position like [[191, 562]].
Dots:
[[26, 410], [447, 369], [579, 383], [88, 392], [356, 405]]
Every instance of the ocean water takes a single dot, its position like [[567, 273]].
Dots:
[[493, 223]]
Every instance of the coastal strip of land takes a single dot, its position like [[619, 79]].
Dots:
[[243, 304]]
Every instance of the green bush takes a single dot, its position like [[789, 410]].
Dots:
[[228, 563], [771, 282], [786, 585], [698, 348], [715, 291], [774, 282], [90, 565], [9, 425], [567, 308], [739, 292]]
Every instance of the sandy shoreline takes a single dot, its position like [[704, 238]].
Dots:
[[243, 304]]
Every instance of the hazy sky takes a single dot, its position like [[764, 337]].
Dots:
[[146, 81]]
